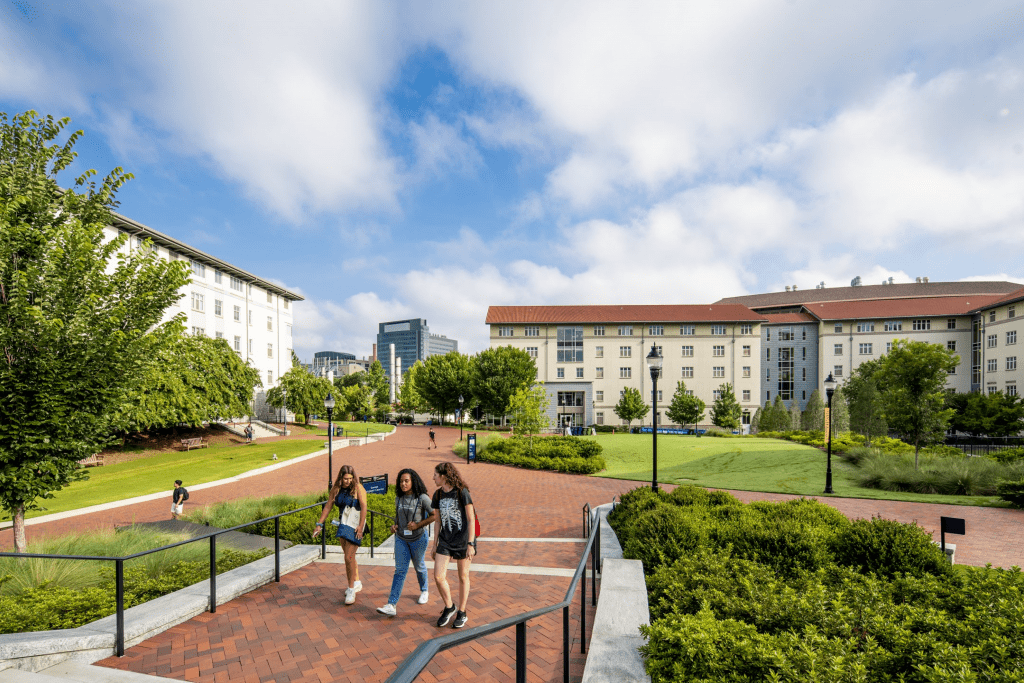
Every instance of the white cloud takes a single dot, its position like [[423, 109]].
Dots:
[[441, 149], [350, 326]]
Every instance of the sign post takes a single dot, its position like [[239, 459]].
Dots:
[[951, 525], [470, 447], [377, 483], [828, 432]]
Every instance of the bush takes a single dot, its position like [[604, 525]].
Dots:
[[558, 453], [888, 548], [954, 475], [603, 429], [1007, 456], [1012, 492]]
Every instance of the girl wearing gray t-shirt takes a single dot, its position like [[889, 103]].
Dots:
[[412, 514]]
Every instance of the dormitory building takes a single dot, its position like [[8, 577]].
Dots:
[[765, 345]]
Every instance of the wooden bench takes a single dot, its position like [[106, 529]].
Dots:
[[92, 461], [189, 444]]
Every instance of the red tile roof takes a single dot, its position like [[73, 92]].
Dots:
[[999, 301], [784, 318], [897, 308], [621, 314]]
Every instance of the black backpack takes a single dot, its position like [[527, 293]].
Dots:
[[184, 494]]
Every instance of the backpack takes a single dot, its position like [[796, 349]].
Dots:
[[184, 494]]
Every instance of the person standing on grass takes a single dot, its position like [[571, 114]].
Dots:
[[454, 539], [413, 514], [431, 440], [350, 497], [178, 499]]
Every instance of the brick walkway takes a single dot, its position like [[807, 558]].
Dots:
[[298, 630]]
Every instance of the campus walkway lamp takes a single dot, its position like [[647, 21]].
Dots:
[[830, 388], [654, 361], [461, 402], [329, 404], [284, 400]]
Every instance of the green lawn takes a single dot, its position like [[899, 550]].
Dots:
[[747, 464], [150, 475], [352, 429]]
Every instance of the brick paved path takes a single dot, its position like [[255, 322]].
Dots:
[[296, 630]]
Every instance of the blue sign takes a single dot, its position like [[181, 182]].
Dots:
[[378, 483], [666, 430], [470, 447]]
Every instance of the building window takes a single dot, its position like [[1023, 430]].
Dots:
[[625, 373], [746, 350], [250, 347], [746, 329], [992, 316], [803, 352], [893, 326], [599, 373], [865, 349], [1011, 312], [238, 344], [767, 334], [598, 352], [716, 394], [270, 376], [250, 318], [625, 330], [718, 329], [656, 330], [270, 350], [504, 331], [951, 371], [599, 417], [717, 350], [560, 373], [1011, 337], [837, 371], [746, 371], [532, 350], [888, 347], [951, 345], [687, 330], [993, 365], [803, 333], [286, 304], [238, 314], [236, 284], [198, 269], [992, 341], [599, 396], [218, 335], [532, 331], [839, 327], [598, 330], [1011, 389], [746, 396], [270, 297], [688, 352], [803, 374], [837, 349], [688, 372], [865, 327], [1011, 362], [217, 275], [951, 323], [625, 352], [570, 345], [992, 388], [198, 302], [786, 334], [922, 324], [218, 308], [767, 354], [579, 373], [659, 395], [198, 331], [718, 371], [270, 323]]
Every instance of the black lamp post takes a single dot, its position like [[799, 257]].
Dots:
[[654, 361], [284, 399], [461, 401], [830, 388], [329, 404]]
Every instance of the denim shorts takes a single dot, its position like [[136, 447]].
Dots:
[[348, 533]]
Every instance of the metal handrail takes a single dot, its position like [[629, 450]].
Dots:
[[414, 664]]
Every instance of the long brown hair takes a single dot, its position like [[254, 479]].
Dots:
[[451, 475], [353, 489]]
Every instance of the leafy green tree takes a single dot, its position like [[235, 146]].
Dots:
[[356, 401], [380, 389], [794, 415], [80, 319], [442, 380], [631, 406], [755, 422], [726, 411], [409, 399], [305, 392], [352, 380], [840, 412], [529, 410], [912, 378], [499, 373], [813, 417], [978, 414], [684, 408], [775, 417], [865, 402]]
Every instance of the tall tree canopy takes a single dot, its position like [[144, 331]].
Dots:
[[978, 414], [684, 408], [80, 320], [499, 373], [726, 411], [304, 392], [865, 401], [631, 406], [813, 417], [442, 380], [529, 410]]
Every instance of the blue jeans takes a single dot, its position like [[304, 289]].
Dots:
[[405, 551]]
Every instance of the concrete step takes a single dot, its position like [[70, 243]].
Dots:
[[87, 673], [19, 676]]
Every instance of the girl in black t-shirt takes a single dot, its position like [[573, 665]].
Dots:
[[454, 538]]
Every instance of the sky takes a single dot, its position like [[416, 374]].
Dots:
[[392, 160]]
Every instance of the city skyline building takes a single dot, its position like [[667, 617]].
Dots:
[[412, 341]]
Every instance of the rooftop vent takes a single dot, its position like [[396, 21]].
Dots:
[[855, 282], [925, 279], [919, 280], [794, 288], [890, 280], [787, 288]]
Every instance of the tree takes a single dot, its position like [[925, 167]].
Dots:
[[631, 406], [726, 410], [304, 392], [912, 378], [355, 401], [409, 399], [865, 402], [755, 422], [775, 417], [380, 389], [684, 408], [794, 416], [813, 417], [80, 319], [442, 380], [529, 410], [840, 413], [498, 374], [978, 414]]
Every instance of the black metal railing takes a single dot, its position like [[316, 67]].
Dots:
[[414, 664], [119, 561], [984, 445]]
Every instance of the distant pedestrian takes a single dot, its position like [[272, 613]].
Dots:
[[350, 497], [413, 514], [431, 440], [248, 433], [454, 539], [178, 498]]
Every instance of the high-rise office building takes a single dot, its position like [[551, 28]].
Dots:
[[413, 341]]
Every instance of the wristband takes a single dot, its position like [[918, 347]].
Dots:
[[319, 523]]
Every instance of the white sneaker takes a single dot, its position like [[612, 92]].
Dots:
[[357, 586], [424, 598], [387, 610], [350, 596]]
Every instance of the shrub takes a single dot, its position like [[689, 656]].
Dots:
[[558, 453], [1012, 492], [888, 548], [1007, 456], [956, 475]]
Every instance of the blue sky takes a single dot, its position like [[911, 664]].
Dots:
[[392, 160]]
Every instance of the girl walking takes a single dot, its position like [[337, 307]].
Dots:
[[413, 514], [350, 497], [454, 539]]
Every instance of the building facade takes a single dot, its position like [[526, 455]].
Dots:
[[412, 341]]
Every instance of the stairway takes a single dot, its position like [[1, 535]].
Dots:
[[75, 671], [259, 432]]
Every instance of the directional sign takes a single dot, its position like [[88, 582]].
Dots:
[[470, 447], [377, 483]]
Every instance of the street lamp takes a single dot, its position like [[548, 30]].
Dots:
[[284, 399], [654, 361], [830, 388], [461, 401], [329, 404]]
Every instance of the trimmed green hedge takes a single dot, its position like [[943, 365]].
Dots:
[[795, 592], [557, 453]]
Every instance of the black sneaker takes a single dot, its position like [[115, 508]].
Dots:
[[446, 615], [460, 620]]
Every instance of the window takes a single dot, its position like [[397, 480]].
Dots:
[[992, 388], [198, 302], [716, 394], [803, 375], [718, 329], [270, 350], [599, 417], [270, 376], [803, 352], [236, 284], [746, 371], [717, 350], [888, 347], [198, 269], [767, 354], [1011, 337], [746, 395], [598, 330], [218, 335], [198, 331], [837, 350], [598, 352], [625, 330], [570, 345], [688, 372], [951, 371], [746, 329], [532, 350], [991, 316], [625, 373], [250, 347], [992, 341], [993, 365], [532, 331], [893, 326], [270, 297], [625, 352], [599, 373], [286, 304], [688, 352], [658, 348], [786, 334], [865, 349], [599, 396], [656, 330], [505, 331], [687, 330], [1011, 362], [238, 314], [803, 333], [1011, 312], [238, 343], [950, 323], [865, 327], [560, 373], [218, 308], [270, 323], [922, 324], [1011, 389], [951, 345], [659, 395], [171, 256], [786, 375], [718, 371], [746, 350], [837, 371], [839, 327], [579, 373], [250, 318], [767, 334], [217, 276]]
